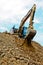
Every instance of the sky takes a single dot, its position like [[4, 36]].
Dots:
[[12, 12]]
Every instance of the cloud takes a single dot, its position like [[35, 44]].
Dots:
[[36, 20], [41, 27], [12, 11], [10, 8], [3, 29], [40, 5]]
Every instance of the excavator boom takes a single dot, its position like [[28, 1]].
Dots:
[[24, 20], [30, 14]]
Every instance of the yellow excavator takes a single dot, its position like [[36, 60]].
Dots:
[[30, 30]]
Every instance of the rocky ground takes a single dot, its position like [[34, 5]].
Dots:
[[17, 51]]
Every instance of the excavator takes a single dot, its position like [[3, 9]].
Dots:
[[30, 29]]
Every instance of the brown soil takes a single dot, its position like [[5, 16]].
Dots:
[[17, 51]]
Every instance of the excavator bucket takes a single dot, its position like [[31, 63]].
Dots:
[[30, 34]]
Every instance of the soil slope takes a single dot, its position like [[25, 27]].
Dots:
[[17, 51]]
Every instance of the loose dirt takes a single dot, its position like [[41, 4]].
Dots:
[[17, 51]]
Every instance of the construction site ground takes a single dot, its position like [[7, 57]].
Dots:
[[18, 51]]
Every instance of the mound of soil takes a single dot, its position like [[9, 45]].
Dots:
[[17, 51]]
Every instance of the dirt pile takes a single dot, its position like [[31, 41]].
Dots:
[[16, 51]]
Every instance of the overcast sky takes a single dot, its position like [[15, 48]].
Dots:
[[12, 11]]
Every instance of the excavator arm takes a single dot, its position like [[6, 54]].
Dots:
[[30, 14], [24, 20]]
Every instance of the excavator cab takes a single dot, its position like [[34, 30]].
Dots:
[[24, 31]]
